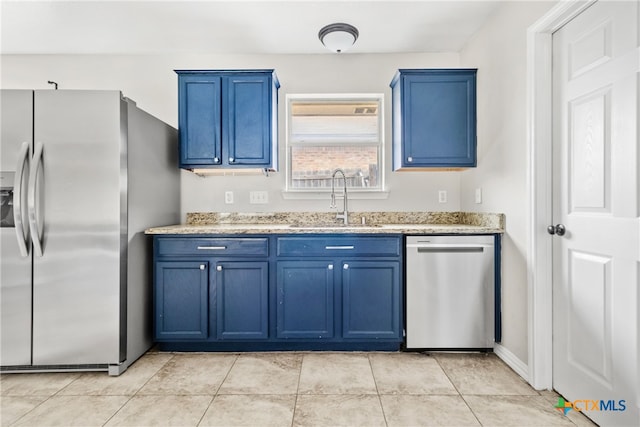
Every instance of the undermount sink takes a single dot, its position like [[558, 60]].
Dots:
[[332, 225]]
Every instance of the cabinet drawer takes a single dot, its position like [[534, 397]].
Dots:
[[213, 246], [342, 246]]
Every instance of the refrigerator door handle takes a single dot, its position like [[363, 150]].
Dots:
[[23, 240], [36, 238]]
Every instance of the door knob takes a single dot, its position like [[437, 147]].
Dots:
[[556, 229]]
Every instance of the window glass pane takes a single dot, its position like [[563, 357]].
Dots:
[[329, 132], [311, 167], [334, 122]]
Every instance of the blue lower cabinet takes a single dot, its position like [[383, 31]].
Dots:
[[242, 294], [305, 299], [181, 300], [371, 299], [340, 293]]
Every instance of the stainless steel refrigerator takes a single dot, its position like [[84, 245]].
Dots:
[[83, 173]]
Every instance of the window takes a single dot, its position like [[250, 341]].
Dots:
[[328, 132]]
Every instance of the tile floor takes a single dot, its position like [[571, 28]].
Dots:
[[285, 389]]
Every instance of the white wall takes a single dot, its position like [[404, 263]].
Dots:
[[498, 50], [151, 82]]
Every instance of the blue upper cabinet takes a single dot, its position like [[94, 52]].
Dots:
[[434, 118], [199, 117], [228, 119]]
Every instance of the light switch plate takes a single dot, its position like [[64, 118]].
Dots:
[[258, 197], [442, 196], [478, 195]]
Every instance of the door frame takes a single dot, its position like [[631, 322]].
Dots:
[[540, 186]]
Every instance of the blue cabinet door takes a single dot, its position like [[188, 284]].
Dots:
[[199, 116], [228, 118], [181, 306], [248, 113], [371, 299], [242, 293], [434, 118], [305, 299]]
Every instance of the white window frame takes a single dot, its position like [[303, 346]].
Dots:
[[321, 193]]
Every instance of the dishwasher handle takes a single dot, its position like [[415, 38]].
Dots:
[[449, 249], [425, 247]]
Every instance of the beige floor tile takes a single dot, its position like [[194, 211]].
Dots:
[[82, 411], [14, 407], [161, 411], [477, 373], [516, 411], [409, 373], [336, 373], [34, 384], [338, 410], [250, 410], [191, 373], [127, 384], [427, 410], [266, 373]]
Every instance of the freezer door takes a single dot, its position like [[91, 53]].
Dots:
[[77, 188], [16, 107]]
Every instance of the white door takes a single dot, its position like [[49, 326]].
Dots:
[[596, 79]]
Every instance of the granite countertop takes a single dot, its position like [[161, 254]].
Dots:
[[325, 222]]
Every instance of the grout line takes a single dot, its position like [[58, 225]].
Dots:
[[118, 410], [141, 387], [206, 409], [213, 397], [227, 375], [295, 403], [457, 390], [29, 411], [173, 355], [384, 415]]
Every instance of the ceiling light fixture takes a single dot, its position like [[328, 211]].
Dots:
[[338, 37]]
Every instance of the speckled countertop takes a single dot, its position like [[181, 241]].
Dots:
[[325, 222]]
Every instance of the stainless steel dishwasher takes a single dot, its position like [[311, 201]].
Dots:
[[450, 292]]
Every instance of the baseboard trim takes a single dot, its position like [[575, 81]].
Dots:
[[512, 361]]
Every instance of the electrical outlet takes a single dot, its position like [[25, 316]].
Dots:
[[228, 197], [442, 196], [258, 197], [478, 195]]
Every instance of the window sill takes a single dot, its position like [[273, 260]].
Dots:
[[322, 195]]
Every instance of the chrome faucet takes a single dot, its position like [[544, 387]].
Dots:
[[344, 215]]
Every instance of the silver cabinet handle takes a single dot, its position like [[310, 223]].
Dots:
[[216, 160], [409, 159], [330, 266], [212, 248], [333, 248], [36, 238], [23, 240], [345, 267], [202, 267], [219, 268], [231, 160]]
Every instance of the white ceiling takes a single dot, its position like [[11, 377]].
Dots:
[[240, 26]]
